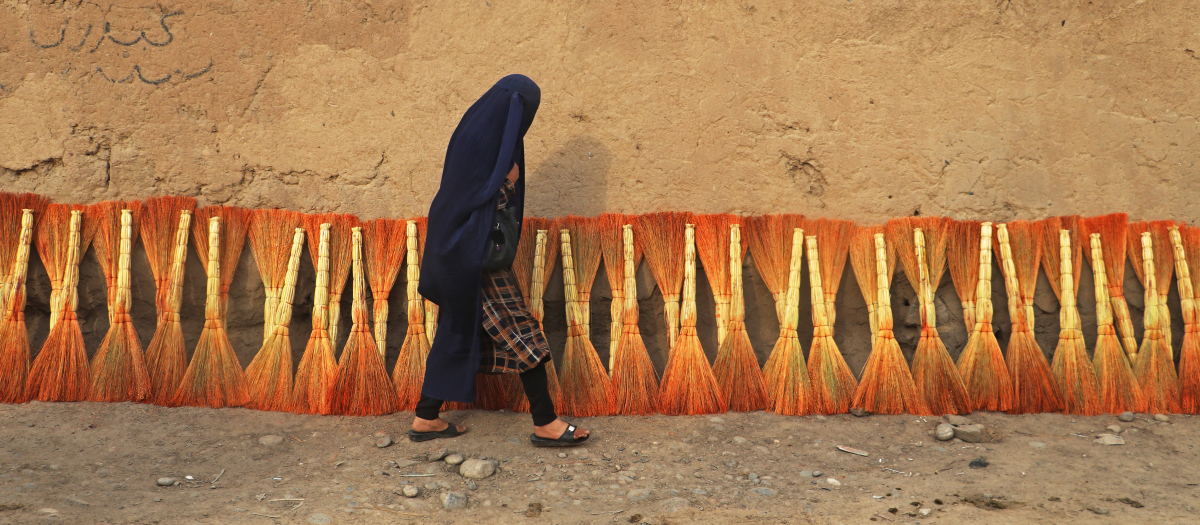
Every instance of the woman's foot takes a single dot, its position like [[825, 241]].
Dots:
[[556, 429], [435, 425]]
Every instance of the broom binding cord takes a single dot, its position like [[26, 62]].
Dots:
[[538, 280], [412, 273], [925, 287]]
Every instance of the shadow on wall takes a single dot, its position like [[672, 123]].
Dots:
[[571, 181]]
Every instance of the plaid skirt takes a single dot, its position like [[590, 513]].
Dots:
[[512, 340]]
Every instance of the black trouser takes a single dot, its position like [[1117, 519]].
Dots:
[[537, 390]]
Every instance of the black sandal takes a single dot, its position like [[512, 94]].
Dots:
[[567, 439], [449, 432]]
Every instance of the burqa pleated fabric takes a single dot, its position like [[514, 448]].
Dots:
[[482, 150]]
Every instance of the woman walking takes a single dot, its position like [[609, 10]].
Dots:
[[484, 324]]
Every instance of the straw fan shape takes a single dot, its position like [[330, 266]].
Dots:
[[1072, 369], [1154, 368], [317, 371], [61, 371], [362, 386], [1034, 387], [635, 383], [586, 389], [166, 222], [118, 366], [660, 236], [1119, 389], [14, 338], [1186, 242], [269, 375], [1114, 236], [409, 373], [785, 372], [736, 367], [833, 384], [981, 364]]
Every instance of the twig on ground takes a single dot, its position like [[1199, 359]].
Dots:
[[608, 512], [219, 476], [264, 515], [416, 475]]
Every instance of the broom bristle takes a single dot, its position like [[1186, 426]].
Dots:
[[14, 338], [339, 259], [1164, 266], [1189, 352], [1034, 387], [712, 246], [981, 364], [785, 373], [736, 366], [1154, 368], [1052, 251], [962, 259], [118, 367], [660, 237], [833, 383], [159, 229], [1114, 233], [269, 376], [887, 385], [635, 383], [688, 386], [611, 239], [1119, 389], [586, 389], [409, 373], [385, 244], [862, 259], [270, 234], [834, 236], [60, 372], [166, 222], [768, 245], [361, 386], [1072, 371], [317, 370]]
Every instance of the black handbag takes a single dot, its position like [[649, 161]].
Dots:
[[502, 241]]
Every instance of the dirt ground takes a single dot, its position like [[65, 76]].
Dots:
[[100, 463]]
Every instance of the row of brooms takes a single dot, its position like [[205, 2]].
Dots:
[[1119, 376]]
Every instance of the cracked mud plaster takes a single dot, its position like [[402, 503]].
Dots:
[[865, 111]]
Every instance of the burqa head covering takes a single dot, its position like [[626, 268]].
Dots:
[[487, 142]]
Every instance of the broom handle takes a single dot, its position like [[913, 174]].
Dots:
[[1187, 295], [174, 300], [212, 303], [788, 327], [358, 308], [885, 296], [1016, 302], [1104, 313], [124, 294], [1151, 316], [68, 297], [283, 310], [574, 327], [687, 310], [817, 291], [1069, 313], [538, 279], [15, 301], [320, 319], [737, 298], [925, 292], [416, 312], [983, 290], [629, 310]]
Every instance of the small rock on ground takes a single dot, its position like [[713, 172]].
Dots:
[[1162, 418], [454, 500], [858, 412], [1099, 510], [455, 459], [167, 482], [1037, 444], [477, 469], [1110, 439], [957, 420], [833, 482], [969, 433], [763, 491], [1115, 429], [639, 495], [411, 491], [319, 519], [270, 440], [383, 442], [436, 455], [1125, 417], [944, 432], [740, 440], [674, 505]]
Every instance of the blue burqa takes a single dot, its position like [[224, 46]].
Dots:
[[482, 150]]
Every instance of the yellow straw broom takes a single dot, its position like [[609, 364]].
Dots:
[[1189, 353], [981, 364], [317, 370], [166, 222], [611, 226], [361, 386], [887, 385], [1034, 387], [921, 247], [60, 372], [1114, 233], [1160, 232], [409, 373], [635, 382], [12, 209], [339, 259], [586, 389], [539, 266], [688, 386], [736, 366], [385, 246], [118, 367], [1119, 389], [1154, 368], [1073, 372], [271, 233], [862, 259], [269, 376], [14, 338], [833, 384], [785, 372], [712, 246]]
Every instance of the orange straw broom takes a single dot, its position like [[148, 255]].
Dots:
[[60, 372], [736, 367], [431, 309], [118, 367], [1114, 233], [660, 236], [586, 389], [712, 245], [165, 225], [981, 364], [339, 259], [317, 370], [634, 379], [833, 384], [1164, 265], [767, 240], [610, 227], [214, 378], [409, 374], [785, 372], [1154, 368], [862, 259], [535, 259], [12, 206], [1072, 371], [921, 247], [1119, 389], [688, 386], [962, 258], [362, 386], [14, 338], [1034, 387], [1189, 353], [887, 386], [269, 376], [271, 233], [385, 244]]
